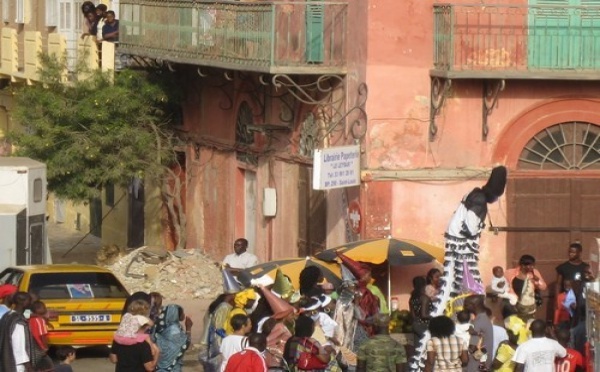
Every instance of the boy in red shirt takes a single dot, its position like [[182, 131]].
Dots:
[[39, 331], [573, 362], [250, 359]]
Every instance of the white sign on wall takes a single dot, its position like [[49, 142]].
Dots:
[[336, 167]]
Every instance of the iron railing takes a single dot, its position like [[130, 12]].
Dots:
[[265, 36], [529, 41]]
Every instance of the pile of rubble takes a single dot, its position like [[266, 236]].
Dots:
[[182, 275]]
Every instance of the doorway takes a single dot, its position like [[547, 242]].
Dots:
[[552, 200], [312, 219]]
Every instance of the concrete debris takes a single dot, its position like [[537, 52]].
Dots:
[[191, 276]]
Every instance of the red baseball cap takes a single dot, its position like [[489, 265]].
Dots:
[[7, 289]]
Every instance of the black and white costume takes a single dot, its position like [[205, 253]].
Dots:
[[462, 251]]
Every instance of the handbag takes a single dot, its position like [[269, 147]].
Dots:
[[480, 351], [308, 361], [538, 298]]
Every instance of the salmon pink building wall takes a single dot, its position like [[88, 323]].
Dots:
[[400, 52]]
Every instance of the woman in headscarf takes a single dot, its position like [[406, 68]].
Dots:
[[171, 338], [243, 304]]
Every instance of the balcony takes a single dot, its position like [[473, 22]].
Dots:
[[516, 42], [19, 56], [300, 37]]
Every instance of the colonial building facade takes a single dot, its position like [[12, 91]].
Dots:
[[435, 94]]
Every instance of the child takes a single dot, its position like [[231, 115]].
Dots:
[[562, 316], [462, 326], [501, 287], [65, 356], [39, 331], [134, 324]]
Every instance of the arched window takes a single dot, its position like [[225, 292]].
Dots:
[[244, 139], [565, 146]]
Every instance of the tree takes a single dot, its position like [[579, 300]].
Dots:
[[106, 129]]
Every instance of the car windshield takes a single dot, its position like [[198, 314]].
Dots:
[[76, 285]]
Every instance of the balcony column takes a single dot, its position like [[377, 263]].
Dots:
[[491, 92]]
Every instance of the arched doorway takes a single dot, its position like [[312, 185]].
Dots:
[[553, 197]]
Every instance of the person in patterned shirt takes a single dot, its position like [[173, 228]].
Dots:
[[445, 351], [381, 352]]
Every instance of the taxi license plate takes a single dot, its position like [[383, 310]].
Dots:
[[91, 318]]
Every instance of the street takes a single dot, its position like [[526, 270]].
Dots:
[[62, 240], [96, 359]]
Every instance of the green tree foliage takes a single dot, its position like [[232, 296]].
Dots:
[[96, 131]]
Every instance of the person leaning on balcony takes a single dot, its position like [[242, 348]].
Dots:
[[110, 30], [101, 11], [90, 25], [88, 22]]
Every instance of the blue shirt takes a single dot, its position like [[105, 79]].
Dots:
[[107, 29]]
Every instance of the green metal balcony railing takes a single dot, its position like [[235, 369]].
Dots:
[[264, 36], [516, 41]]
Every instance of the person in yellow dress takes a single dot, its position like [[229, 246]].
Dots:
[[506, 350]]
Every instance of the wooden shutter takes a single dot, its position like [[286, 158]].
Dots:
[[315, 15], [51, 13]]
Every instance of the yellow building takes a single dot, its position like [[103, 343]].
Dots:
[[31, 27]]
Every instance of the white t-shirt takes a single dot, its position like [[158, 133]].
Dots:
[[499, 336], [538, 354], [99, 28], [242, 261], [461, 330], [496, 285], [231, 345], [17, 339], [328, 325]]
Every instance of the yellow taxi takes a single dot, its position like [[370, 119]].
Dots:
[[84, 301]]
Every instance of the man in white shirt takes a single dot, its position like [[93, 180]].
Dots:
[[241, 259], [237, 341], [15, 336], [539, 353], [101, 10]]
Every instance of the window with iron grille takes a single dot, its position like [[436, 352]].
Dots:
[[244, 139]]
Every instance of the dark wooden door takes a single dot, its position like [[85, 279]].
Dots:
[[136, 221], [312, 219], [545, 215]]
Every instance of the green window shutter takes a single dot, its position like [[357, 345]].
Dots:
[[315, 15], [590, 34], [549, 42], [566, 37], [185, 27]]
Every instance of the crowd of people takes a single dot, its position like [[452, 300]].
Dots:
[[99, 22], [270, 325], [24, 335], [150, 336], [346, 328], [471, 340]]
